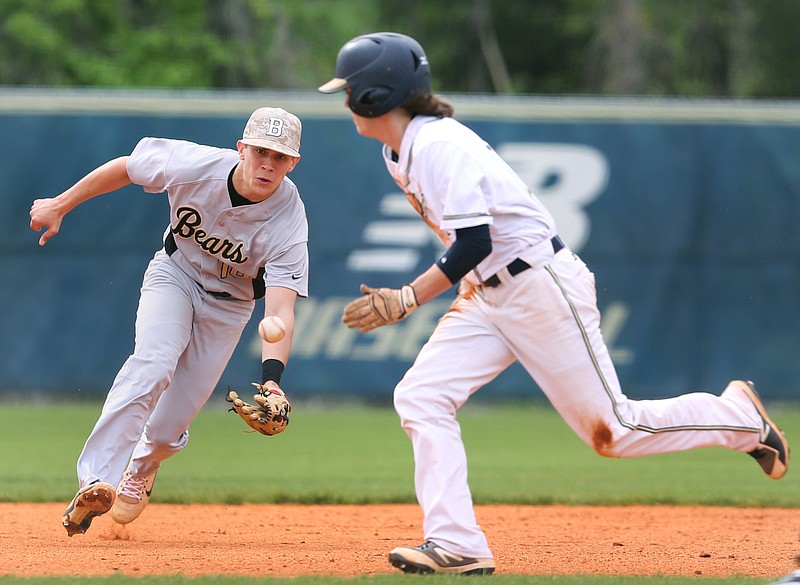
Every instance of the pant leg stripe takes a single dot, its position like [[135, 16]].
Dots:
[[610, 395]]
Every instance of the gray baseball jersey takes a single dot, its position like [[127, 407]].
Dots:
[[216, 241], [224, 248]]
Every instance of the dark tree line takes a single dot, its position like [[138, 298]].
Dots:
[[733, 48]]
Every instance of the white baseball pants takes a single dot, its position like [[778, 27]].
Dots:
[[547, 318]]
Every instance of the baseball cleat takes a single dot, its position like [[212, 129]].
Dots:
[[133, 494], [772, 453], [92, 500], [429, 558]]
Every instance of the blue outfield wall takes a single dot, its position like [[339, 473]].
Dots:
[[691, 228]]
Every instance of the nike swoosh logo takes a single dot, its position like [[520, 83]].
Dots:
[[296, 277], [765, 429]]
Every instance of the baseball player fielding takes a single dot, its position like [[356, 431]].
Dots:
[[271, 329]]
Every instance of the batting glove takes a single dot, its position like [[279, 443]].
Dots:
[[380, 306]]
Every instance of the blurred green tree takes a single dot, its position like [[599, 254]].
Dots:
[[733, 48]]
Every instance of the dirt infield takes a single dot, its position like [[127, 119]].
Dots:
[[294, 540]]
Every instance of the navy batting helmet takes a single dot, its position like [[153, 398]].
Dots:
[[382, 70]]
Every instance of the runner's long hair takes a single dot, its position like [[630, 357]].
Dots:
[[429, 105]]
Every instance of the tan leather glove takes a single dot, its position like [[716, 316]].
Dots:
[[379, 306], [270, 414]]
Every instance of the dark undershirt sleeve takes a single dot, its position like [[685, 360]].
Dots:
[[472, 245]]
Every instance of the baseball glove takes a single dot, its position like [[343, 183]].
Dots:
[[270, 414]]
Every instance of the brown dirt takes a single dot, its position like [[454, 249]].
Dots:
[[292, 540]]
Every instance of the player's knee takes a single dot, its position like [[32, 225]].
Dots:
[[405, 406], [603, 440], [416, 404], [148, 374]]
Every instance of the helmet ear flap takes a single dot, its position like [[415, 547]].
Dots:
[[366, 102]]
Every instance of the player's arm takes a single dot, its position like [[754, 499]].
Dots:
[[49, 213], [270, 409], [383, 306], [470, 247], [269, 412], [430, 284], [278, 301]]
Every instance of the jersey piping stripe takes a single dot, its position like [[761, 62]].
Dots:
[[624, 423], [466, 215]]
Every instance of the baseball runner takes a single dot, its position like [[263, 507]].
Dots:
[[238, 232], [523, 295]]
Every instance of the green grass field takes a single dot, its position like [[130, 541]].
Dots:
[[520, 453]]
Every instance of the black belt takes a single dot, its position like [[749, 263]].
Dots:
[[520, 265]]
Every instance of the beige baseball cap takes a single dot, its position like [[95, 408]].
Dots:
[[274, 128]]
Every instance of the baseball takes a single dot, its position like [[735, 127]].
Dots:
[[271, 329]]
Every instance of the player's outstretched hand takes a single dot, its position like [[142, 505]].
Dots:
[[379, 306], [45, 214]]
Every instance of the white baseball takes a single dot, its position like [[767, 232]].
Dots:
[[271, 329]]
